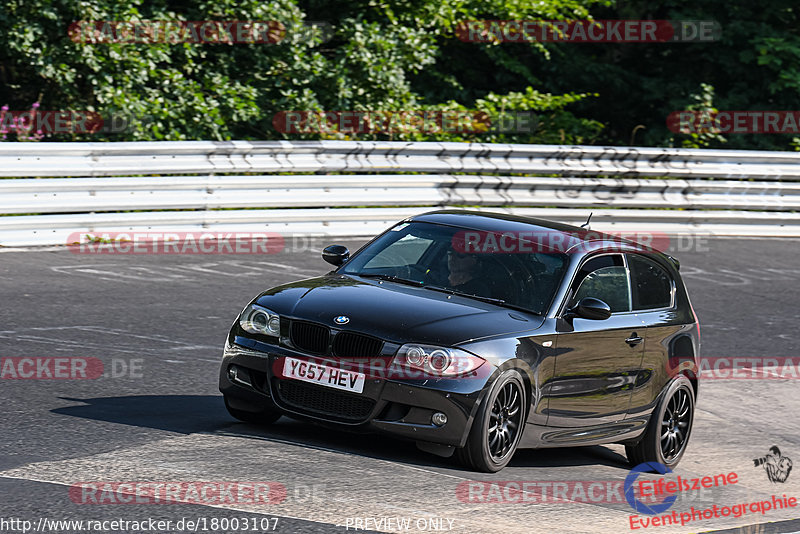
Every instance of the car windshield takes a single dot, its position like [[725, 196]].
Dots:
[[462, 261]]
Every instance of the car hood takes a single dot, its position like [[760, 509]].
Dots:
[[395, 312]]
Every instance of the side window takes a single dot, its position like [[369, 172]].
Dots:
[[604, 278], [652, 286]]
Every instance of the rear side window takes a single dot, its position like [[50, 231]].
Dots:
[[652, 286], [605, 278]]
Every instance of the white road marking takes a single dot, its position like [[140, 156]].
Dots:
[[354, 485], [126, 272], [171, 345]]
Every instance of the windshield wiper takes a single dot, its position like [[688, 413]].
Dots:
[[490, 300], [389, 277]]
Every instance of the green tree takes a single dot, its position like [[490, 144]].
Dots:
[[380, 56], [754, 65]]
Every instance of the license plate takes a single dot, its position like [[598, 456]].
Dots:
[[323, 375]]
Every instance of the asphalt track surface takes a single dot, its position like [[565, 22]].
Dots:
[[158, 324]]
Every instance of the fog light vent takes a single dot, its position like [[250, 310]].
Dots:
[[439, 419], [239, 376]]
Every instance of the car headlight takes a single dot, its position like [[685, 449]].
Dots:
[[437, 361], [256, 319]]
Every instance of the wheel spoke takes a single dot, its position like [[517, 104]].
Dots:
[[505, 420], [676, 424], [512, 400], [682, 402], [494, 440], [506, 441]]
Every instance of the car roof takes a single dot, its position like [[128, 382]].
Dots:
[[589, 240]]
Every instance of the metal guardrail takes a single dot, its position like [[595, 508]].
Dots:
[[216, 192], [96, 187], [197, 157]]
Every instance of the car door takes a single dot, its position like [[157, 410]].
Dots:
[[597, 360], [653, 292]]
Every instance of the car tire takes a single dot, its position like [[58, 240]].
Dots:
[[669, 428], [263, 416], [497, 427]]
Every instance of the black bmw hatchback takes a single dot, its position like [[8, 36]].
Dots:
[[476, 334]]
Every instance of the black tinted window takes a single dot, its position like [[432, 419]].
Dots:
[[652, 286], [435, 255], [604, 278]]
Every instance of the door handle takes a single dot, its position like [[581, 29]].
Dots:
[[634, 340]]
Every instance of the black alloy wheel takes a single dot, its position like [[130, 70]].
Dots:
[[498, 425]]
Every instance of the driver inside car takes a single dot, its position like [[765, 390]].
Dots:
[[465, 275]]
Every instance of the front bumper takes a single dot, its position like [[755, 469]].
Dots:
[[399, 407]]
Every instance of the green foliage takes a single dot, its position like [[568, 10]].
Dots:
[[382, 56], [703, 106], [755, 65], [403, 55]]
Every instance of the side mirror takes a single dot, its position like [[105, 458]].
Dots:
[[336, 254], [590, 308]]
